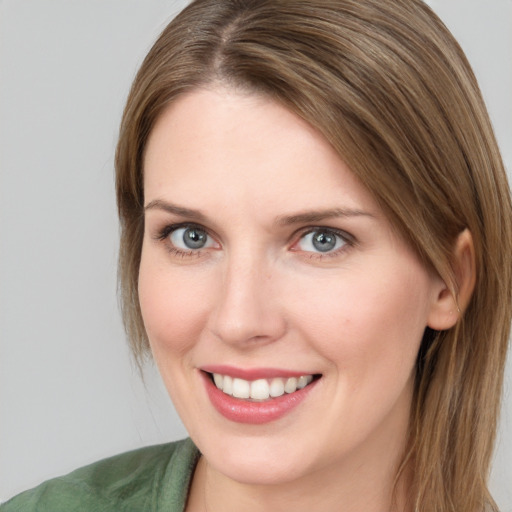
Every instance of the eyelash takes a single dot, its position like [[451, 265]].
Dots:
[[164, 234], [347, 239]]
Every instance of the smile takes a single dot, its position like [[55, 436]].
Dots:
[[260, 389]]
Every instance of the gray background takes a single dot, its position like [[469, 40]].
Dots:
[[69, 393]]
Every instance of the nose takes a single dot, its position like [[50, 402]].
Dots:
[[247, 310]]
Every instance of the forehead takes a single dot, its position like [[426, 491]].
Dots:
[[223, 145]]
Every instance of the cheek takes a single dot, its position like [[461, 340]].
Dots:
[[369, 326], [173, 307]]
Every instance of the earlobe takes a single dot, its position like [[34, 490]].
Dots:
[[452, 301]]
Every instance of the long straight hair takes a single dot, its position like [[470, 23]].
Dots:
[[388, 86]]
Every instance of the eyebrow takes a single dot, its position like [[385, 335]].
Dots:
[[283, 220], [159, 204], [320, 215]]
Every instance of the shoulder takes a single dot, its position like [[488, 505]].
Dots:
[[144, 479]]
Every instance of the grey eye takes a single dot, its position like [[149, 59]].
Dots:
[[190, 238], [321, 240]]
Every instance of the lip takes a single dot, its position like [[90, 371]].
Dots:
[[252, 373], [255, 413]]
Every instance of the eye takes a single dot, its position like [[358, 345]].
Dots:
[[321, 241], [190, 238]]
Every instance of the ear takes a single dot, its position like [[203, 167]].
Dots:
[[452, 301]]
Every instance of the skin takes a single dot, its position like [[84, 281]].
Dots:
[[260, 295]]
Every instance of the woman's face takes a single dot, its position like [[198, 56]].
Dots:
[[266, 262]]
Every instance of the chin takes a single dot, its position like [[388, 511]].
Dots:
[[257, 460], [258, 470]]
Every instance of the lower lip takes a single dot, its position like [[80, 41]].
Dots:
[[255, 413]]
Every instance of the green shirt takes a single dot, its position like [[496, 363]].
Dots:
[[153, 479]]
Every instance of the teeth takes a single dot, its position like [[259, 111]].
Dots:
[[276, 387], [291, 385], [218, 379], [261, 389], [241, 388], [227, 385], [302, 382]]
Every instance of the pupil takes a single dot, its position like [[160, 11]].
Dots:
[[194, 238], [323, 241]]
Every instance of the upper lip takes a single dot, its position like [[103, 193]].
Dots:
[[251, 374]]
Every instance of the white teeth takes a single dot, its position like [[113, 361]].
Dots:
[[276, 387], [303, 381], [260, 389], [241, 388], [227, 385], [291, 385], [218, 379]]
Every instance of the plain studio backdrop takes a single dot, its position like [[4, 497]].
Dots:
[[69, 392]]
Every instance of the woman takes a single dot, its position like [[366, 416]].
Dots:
[[316, 230]]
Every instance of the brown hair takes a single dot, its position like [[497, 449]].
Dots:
[[389, 87]]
